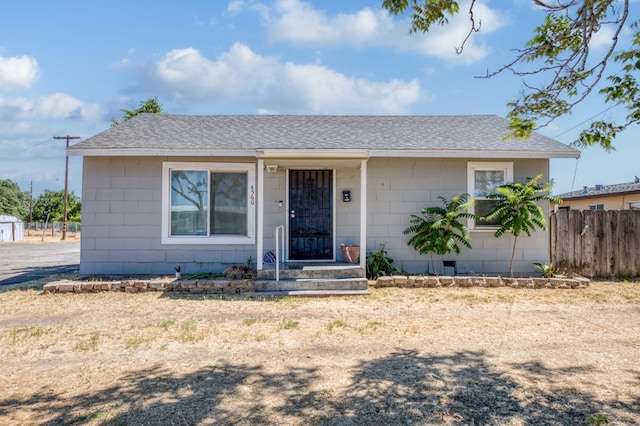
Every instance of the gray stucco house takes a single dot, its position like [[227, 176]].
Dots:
[[203, 192]]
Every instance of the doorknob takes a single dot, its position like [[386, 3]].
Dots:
[[292, 214]]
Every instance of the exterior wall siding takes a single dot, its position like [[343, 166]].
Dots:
[[122, 205], [398, 188]]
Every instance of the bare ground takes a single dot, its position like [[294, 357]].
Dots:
[[400, 356]]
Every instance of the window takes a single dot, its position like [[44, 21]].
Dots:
[[208, 203], [482, 179], [596, 206], [634, 205]]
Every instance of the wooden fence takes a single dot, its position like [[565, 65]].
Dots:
[[599, 243]]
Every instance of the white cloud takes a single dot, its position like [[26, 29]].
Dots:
[[310, 88], [186, 73], [56, 106], [603, 38], [321, 90], [299, 23], [18, 72], [235, 6]]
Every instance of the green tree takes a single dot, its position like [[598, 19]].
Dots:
[[13, 202], [560, 52], [438, 230], [151, 105], [517, 209], [53, 202]]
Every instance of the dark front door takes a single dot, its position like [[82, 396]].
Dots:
[[310, 214]]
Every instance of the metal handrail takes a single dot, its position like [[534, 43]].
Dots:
[[279, 228]]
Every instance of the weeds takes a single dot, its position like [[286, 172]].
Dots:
[[249, 321], [203, 276], [288, 324], [379, 264], [189, 332], [336, 324], [18, 334], [136, 342], [88, 344], [166, 324], [598, 420]]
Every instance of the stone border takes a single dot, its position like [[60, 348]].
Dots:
[[141, 286], [248, 286], [457, 281]]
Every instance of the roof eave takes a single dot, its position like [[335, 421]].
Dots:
[[319, 153], [599, 195], [312, 153], [141, 152], [445, 153]]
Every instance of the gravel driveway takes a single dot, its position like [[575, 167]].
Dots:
[[27, 261]]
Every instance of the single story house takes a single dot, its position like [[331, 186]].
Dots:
[[201, 193], [621, 196]]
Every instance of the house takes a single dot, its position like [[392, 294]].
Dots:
[[621, 196], [164, 191]]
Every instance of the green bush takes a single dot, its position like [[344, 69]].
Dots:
[[379, 264]]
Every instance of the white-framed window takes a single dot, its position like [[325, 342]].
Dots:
[[482, 179], [634, 205], [596, 206], [208, 203]]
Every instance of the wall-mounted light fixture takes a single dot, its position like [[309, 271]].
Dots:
[[346, 196], [271, 168], [280, 203]]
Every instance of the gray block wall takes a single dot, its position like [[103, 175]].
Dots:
[[121, 209], [121, 218], [399, 187]]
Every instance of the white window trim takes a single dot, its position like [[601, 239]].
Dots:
[[474, 166], [249, 168]]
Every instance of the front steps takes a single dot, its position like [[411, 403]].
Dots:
[[313, 280]]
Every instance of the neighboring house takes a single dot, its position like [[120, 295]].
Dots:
[[11, 228], [203, 192], [621, 196]]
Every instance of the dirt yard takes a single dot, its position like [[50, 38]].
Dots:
[[399, 356]]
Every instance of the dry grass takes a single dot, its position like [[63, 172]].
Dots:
[[39, 236], [399, 356]]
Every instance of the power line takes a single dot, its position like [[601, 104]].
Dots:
[[37, 145], [66, 184]]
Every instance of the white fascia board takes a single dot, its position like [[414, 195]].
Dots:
[[312, 153], [128, 152], [472, 154]]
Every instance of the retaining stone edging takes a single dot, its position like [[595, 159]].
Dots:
[[141, 286], [457, 281], [248, 286]]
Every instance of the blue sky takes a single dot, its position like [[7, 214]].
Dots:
[[68, 67]]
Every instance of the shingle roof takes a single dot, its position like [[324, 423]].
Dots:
[[164, 132], [602, 190]]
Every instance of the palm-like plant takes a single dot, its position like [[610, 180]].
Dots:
[[438, 230], [517, 209]]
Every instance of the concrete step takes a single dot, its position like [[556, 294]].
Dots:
[[311, 293], [319, 272], [314, 272], [312, 284]]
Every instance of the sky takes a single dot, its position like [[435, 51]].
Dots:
[[69, 67]]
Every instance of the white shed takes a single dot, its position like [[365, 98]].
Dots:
[[11, 229]]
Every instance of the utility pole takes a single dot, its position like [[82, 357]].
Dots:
[[66, 184], [30, 206]]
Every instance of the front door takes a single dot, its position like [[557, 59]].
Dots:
[[310, 214]]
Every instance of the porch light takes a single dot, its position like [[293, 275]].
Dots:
[[271, 168]]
